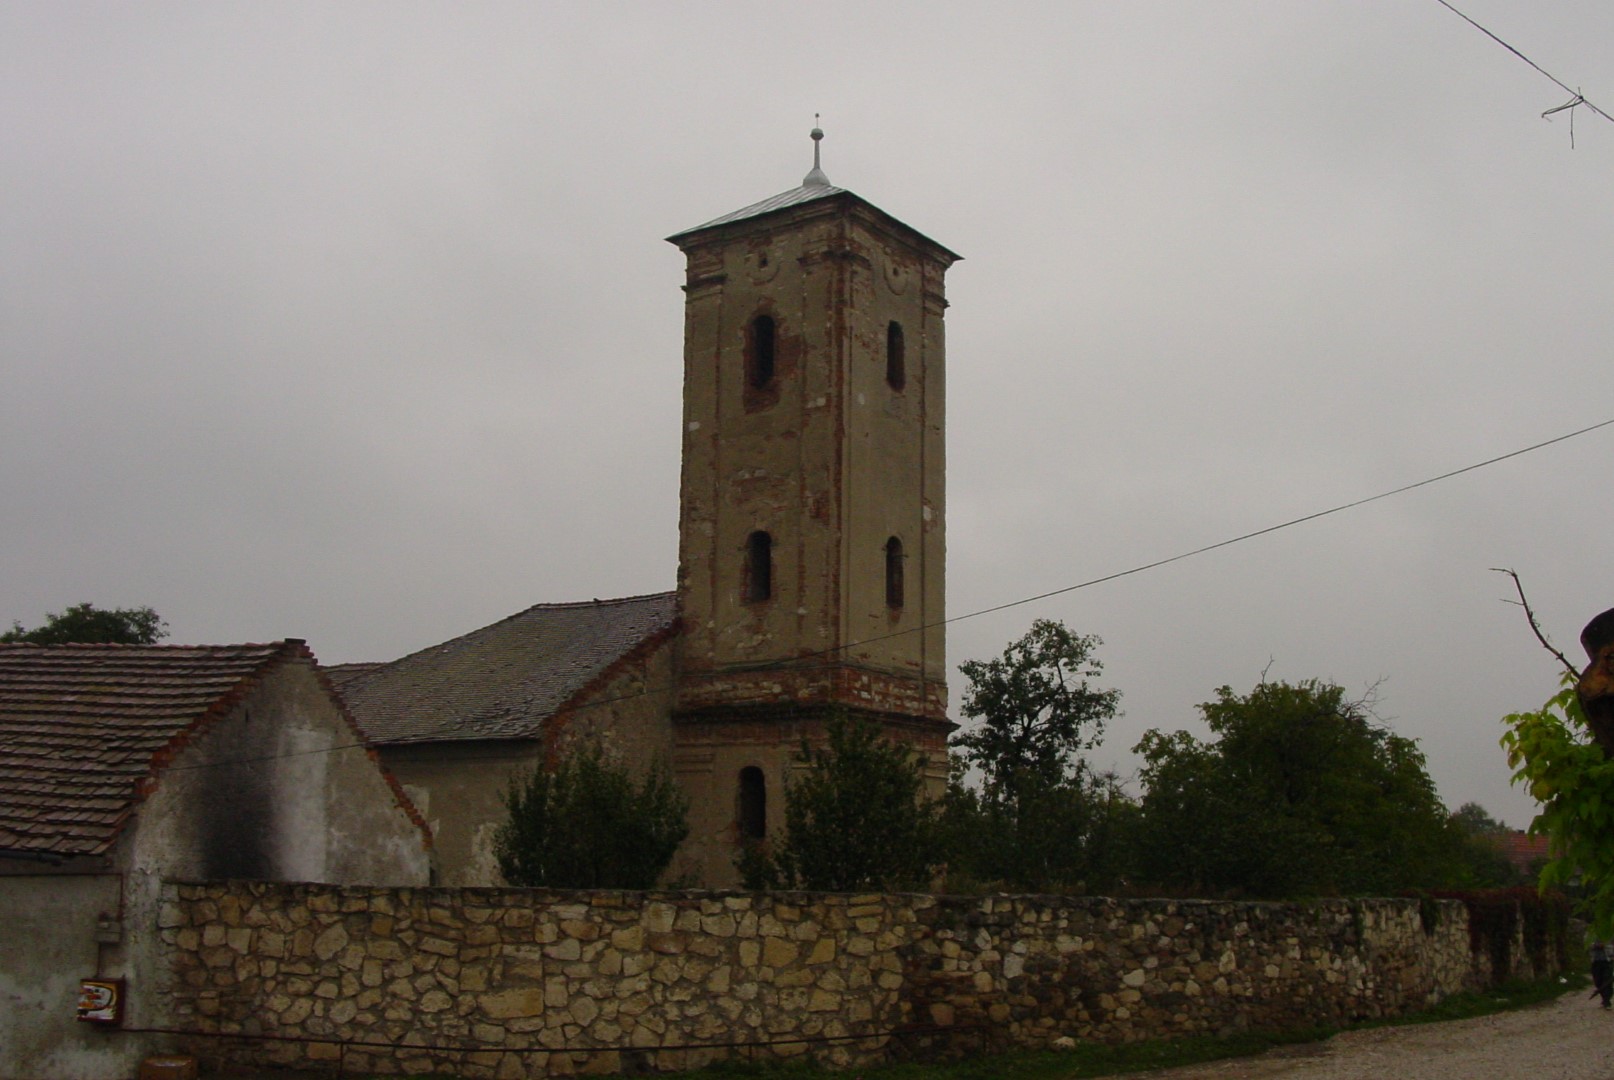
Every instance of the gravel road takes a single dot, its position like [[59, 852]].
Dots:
[[1571, 1038], [1568, 1039]]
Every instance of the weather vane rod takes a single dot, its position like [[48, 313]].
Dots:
[[816, 178]]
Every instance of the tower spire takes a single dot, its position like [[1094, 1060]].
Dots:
[[816, 178]]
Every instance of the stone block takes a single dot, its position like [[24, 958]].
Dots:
[[821, 1000], [324, 1051], [659, 917], [508, 1004], [779, 952]]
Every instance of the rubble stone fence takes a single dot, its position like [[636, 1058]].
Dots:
[[506, 983]]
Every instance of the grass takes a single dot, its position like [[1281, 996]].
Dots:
[[1097, 1060]]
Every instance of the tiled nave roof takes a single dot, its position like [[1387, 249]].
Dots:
[[503, 681]]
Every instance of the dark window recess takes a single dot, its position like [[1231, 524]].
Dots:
[[759, 371], [893, 573], [753, 804], [758, 567], [896, 372]]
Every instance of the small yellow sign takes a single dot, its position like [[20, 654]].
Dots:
[[100, 1001]]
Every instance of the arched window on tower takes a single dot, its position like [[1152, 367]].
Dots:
[[758, 567], [753, 809], [896, 372], [893, 573], [759, 365]]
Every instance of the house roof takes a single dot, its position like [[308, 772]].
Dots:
[[341, 675], [85, 729], [503, 681], [1523, 850]]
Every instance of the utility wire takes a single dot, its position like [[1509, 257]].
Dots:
[[1283, 525], [1578, 99], [795, 665]]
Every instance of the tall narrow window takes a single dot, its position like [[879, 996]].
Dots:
[[758, 567], [753, 804], [759, 366], [893, 573], [896, 372]]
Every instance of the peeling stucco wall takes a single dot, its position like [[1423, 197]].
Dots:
[[459, 787], [48, 921], [830, 459], [280, 790]]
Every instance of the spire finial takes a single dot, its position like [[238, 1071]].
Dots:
[[816, 178]]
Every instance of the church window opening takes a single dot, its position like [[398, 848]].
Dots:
[[753, 804], [896, 373], [893, 573], [758, 567], [760, 361]]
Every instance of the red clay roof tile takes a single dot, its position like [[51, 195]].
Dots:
[[84, 730]]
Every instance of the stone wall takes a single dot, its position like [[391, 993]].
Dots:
[[512, 982], [1025, 971]]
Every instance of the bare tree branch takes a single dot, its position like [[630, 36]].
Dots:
[[1535, 627]]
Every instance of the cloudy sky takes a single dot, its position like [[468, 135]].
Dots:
[[354, 322]]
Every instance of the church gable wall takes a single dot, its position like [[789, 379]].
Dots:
[[459, 787]]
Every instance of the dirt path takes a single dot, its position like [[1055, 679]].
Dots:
[[1569, 1039]]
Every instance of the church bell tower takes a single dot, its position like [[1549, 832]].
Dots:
[[811, 526]]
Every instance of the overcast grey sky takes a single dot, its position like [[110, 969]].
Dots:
[[354, 322]]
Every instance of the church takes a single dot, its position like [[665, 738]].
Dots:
[[811, 563]]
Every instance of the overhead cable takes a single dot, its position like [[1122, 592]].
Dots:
[[1577, 98], [795, 663]]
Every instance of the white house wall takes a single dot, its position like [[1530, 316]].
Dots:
[[280, 790], [48, 926]]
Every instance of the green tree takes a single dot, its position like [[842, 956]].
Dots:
[[86, 623], [1475, 820], [1041, 817], [588, 824], [1072, 835], [1301, 793], [1486, 866], [855, 820], [1036, 706], [1552, 753]]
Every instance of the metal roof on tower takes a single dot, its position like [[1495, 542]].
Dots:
[[814, 187], [796, 196]]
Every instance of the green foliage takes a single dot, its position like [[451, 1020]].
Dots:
[[88, 624], [1037, 708], [1475, 820], [1485, 866], [587, 824], [1300, 794], [855, 821], [1552, 754], [1041, 819], [1075, 835]]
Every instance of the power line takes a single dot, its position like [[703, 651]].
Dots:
[[1286, 524], [1577, 99], [823, 654]]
